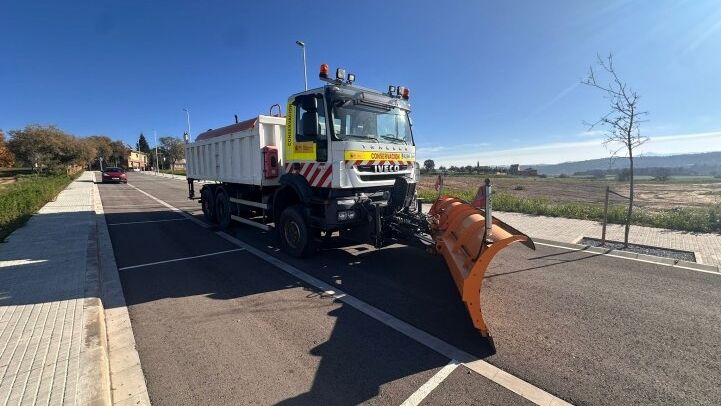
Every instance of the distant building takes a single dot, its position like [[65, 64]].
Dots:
[[180, 165], [136, 160], [528, 172], [515, 169]]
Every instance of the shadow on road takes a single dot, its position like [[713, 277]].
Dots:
[[358, 357]]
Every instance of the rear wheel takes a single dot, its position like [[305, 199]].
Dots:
[[208, 204], [296, 236], [222, 210]]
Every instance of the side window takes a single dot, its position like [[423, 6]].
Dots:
[[310, 118]]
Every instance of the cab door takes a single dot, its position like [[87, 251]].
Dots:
[[306, 143]]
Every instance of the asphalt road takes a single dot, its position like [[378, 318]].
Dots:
[[232, 329]]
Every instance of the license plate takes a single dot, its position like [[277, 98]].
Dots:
[[116, 178]]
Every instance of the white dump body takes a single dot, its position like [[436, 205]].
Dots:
[[234, 154]]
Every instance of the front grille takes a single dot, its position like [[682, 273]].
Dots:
[[371, 178]]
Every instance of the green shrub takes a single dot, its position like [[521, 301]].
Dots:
[[18, 201], [707, 220]]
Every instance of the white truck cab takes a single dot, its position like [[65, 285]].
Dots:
[[359, 137]]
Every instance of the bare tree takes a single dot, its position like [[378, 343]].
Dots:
[[621, 123]]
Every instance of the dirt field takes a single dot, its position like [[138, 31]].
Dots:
[[649, 194]]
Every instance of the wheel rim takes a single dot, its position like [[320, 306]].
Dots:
[[291, 231]]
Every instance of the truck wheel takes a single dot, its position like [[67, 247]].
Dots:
[[296, 237], [222, 210], [208, 204]]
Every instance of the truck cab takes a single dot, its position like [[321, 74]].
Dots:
[[351, 150], [360, 137]]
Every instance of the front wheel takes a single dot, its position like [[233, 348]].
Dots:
[[296, 236]]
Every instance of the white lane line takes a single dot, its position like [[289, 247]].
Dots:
[[630, 259], [173, 208], [145, 222], [417, 397], [495, 374], [180, 259]]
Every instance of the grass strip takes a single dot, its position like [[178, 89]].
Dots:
[[19, 200], [705, 220]]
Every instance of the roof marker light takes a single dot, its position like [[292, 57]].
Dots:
[[324, 71], [406, 93], [391, 90]]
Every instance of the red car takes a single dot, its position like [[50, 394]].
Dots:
[[115, 175]]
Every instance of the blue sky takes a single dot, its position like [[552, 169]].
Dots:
[[495, 82]]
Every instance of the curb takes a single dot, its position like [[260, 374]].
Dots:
[[93, 382], [127, 381], [632, 255]]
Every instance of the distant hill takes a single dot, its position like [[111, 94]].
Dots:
[[708, 163]]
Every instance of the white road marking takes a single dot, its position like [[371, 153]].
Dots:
[[180, 259], [495, 374], [148, 221], [630, 259], [134, 206], [173, 208], [417, 397]]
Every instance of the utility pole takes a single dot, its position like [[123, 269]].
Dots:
[[187, 115], [305, 69], [155, 136]]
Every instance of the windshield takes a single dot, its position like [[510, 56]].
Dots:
[[356, 121]]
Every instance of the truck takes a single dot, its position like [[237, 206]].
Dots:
[[341, 162]]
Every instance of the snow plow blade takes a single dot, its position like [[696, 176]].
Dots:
[[468, 246]]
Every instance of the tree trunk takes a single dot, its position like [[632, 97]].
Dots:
[[630, 199]]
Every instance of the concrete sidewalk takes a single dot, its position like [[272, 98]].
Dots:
[[53, 341], [707, 247]]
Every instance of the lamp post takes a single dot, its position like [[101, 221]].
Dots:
[[305, 70], [187, 115], [155, 136]]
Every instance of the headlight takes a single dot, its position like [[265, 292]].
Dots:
[[344, 215], [346, 203]]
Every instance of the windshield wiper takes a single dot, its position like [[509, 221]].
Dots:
[[365, 137], [392, 138]]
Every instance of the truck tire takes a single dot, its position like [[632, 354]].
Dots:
[[296, 236], [222, 210], [208, 204]]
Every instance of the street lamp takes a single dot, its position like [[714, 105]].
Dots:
[[188, 135], [155, 136], [305, 70]]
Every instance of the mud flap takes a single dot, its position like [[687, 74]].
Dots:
[[468, 247]]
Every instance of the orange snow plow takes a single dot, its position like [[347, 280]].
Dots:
[[468, 244]]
